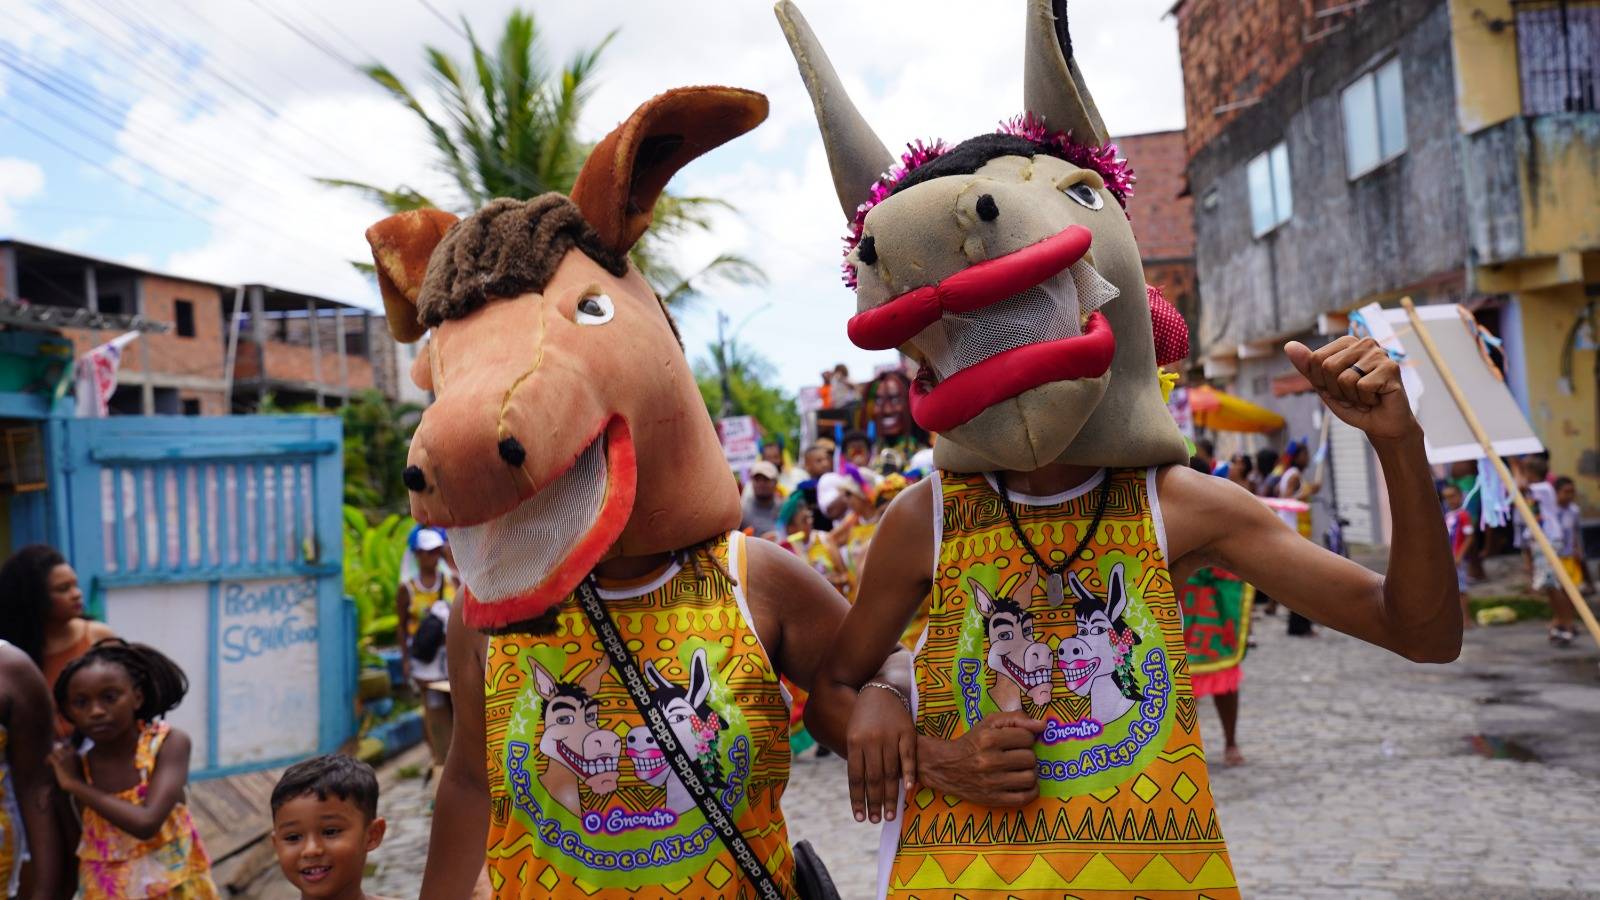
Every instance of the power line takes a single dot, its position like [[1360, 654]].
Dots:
[[448, 22], [10, 62], [311, 39], [183, 91], [51, 209], [99, 165]]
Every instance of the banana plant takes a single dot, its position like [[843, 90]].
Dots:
[[372, 557]]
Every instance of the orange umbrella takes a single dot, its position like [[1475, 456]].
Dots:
[[1218, 411]]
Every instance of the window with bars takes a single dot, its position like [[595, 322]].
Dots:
[[1558, 54]]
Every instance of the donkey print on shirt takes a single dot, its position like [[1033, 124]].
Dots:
[[1095, 662], [695, 723], [574, 744]]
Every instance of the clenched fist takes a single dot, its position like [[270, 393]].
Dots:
[[1360, 384], [992, 765]]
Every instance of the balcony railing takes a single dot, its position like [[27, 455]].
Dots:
[[1558, 49]]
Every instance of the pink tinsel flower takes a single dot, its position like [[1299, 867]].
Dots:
[[1113, 170], [917, 153]]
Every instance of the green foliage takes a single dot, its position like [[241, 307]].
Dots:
[[377, 434], [509, 128], [751, 382], [372, 556]]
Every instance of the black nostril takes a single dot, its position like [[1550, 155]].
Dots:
[[511, 451], [988, 210], [867, 250], [414, 479]]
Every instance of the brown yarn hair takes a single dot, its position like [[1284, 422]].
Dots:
[[506, 249]]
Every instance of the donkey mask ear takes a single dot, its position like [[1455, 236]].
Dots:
[[1052, 87], [630, 167], [856, 156], [401, 246]]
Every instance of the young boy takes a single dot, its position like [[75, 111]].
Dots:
[[1458, 524], [1570, 516], [324, 823], [1547, 505]]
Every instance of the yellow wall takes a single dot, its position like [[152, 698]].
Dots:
[[1561, 210], [1488, 88], [1565, 421]]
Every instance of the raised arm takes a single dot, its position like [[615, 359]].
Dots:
[[456, 849], [1415, 609]]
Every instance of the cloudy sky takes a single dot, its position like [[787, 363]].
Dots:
[[183, 135]]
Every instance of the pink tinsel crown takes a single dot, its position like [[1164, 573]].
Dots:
[[1113, 170]]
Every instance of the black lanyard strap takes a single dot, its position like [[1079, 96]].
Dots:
[[687, 769]]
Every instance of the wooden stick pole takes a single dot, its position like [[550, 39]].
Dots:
[[1526, 511]]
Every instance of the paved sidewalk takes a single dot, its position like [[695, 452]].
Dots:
[[1362, 777]]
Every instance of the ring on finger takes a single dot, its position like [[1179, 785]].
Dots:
[[1359, 371]]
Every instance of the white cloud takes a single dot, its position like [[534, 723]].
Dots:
[[20, 180]]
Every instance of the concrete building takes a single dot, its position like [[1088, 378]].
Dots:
[[185, 370], [1162, 213], [1345, 153]]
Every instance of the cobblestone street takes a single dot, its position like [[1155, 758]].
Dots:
[[1363, 777]]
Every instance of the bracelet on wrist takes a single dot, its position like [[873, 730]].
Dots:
[[884, 685]]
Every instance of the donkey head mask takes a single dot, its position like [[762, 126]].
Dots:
[[567, 427], [1006, 267]]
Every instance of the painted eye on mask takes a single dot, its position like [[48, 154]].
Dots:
[[595, 309], [1085, 195]]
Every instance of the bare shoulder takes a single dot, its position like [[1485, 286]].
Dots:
[[909, 517], [176, 746], [98, 631], [1196, 508], [778, 581]]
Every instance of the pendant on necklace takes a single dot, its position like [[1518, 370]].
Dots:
[[1055, 592]]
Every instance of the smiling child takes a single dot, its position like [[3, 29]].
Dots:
[[324, 823]]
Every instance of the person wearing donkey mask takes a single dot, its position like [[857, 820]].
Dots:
[[1057, 748], [620, 726]]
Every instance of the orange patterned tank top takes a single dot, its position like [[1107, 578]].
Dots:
[[1124, 807], [582, 802]]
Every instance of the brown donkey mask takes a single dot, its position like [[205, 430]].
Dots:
[[1006, 267], [567, 427]]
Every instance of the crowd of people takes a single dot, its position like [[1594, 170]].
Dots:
[[824, 505]]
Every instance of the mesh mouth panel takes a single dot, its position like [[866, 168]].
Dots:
[[506, 556], [1046, 312]]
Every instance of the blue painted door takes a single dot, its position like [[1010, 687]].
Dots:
[[218, 541]]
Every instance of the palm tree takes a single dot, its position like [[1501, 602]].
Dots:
[[510, 130]]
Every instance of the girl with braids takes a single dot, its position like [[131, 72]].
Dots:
[[138, 838]]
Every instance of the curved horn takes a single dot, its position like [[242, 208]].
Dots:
[[401, 246], [1052, 87], [855, 154]]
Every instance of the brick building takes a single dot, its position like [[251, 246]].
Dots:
[[1346, 153], [1162, 214], [184, 370]]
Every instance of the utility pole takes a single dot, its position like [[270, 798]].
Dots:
[[722, 365]]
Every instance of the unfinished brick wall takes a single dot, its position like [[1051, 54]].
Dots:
[[1163, 222], [286, 362], [1234, 51], [200, 356]]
